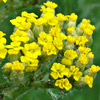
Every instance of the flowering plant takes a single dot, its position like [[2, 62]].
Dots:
[[50, 52]]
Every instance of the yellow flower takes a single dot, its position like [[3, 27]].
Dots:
[[53, 21], [67, 72], [17, 66], [2, 39], [70, 54], [71, 29], [75, 72], [29, 61], [81, 49], [88, 80], [31, 64], [61, 17], [21, 23], [50, 18], [57, 70], [54, 31], [24, 26], [50, 4], [14, 48], [18, 21], [86, 21], [40, 21], [88, 31], [71, 39], [59, 83], [32, 50], [63, 84], [94, 69], [81, 40], [8, 65], [83, 59], [82, 26], [84, 50], [4, 1], [19, 36], [30, 17], [60, 36], [50, 49], [77, 75], [45, 10], [90, 55], [86, 27], [3, 51], [66, 61], [66, 84], [44, 38], [73, 17], [58, 43], [92, 27], [2, 34]]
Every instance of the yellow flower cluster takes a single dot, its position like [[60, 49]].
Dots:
[[63, 84], [14, 48], [85, 56], [73, 17], [88, 80], [31, 52], [86, 27], [59, 71], [20, 39], [52, 41], [94, 69], [4, 1], [25, 21], [81, 41], [48, 16], [3, 50], [69, 56], [78, 56], [49, 36], [71, 30], [20, 36], [15, 66]]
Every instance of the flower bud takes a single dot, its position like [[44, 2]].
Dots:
[[37, 30], [13, 57], [31, 35]]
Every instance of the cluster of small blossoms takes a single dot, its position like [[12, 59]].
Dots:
[[3, 50], [35, 39], [75, 68], [23, 47], [4, 1]]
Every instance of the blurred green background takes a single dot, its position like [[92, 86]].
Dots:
[[89, 9]]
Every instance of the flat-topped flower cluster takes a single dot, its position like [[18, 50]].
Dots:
[[35, 39]]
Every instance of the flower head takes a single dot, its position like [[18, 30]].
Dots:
[[57, 70], [14, 48], [17, 66], [63, 84], [94, 69], [71, 54], [31, 50], [88, 80]]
